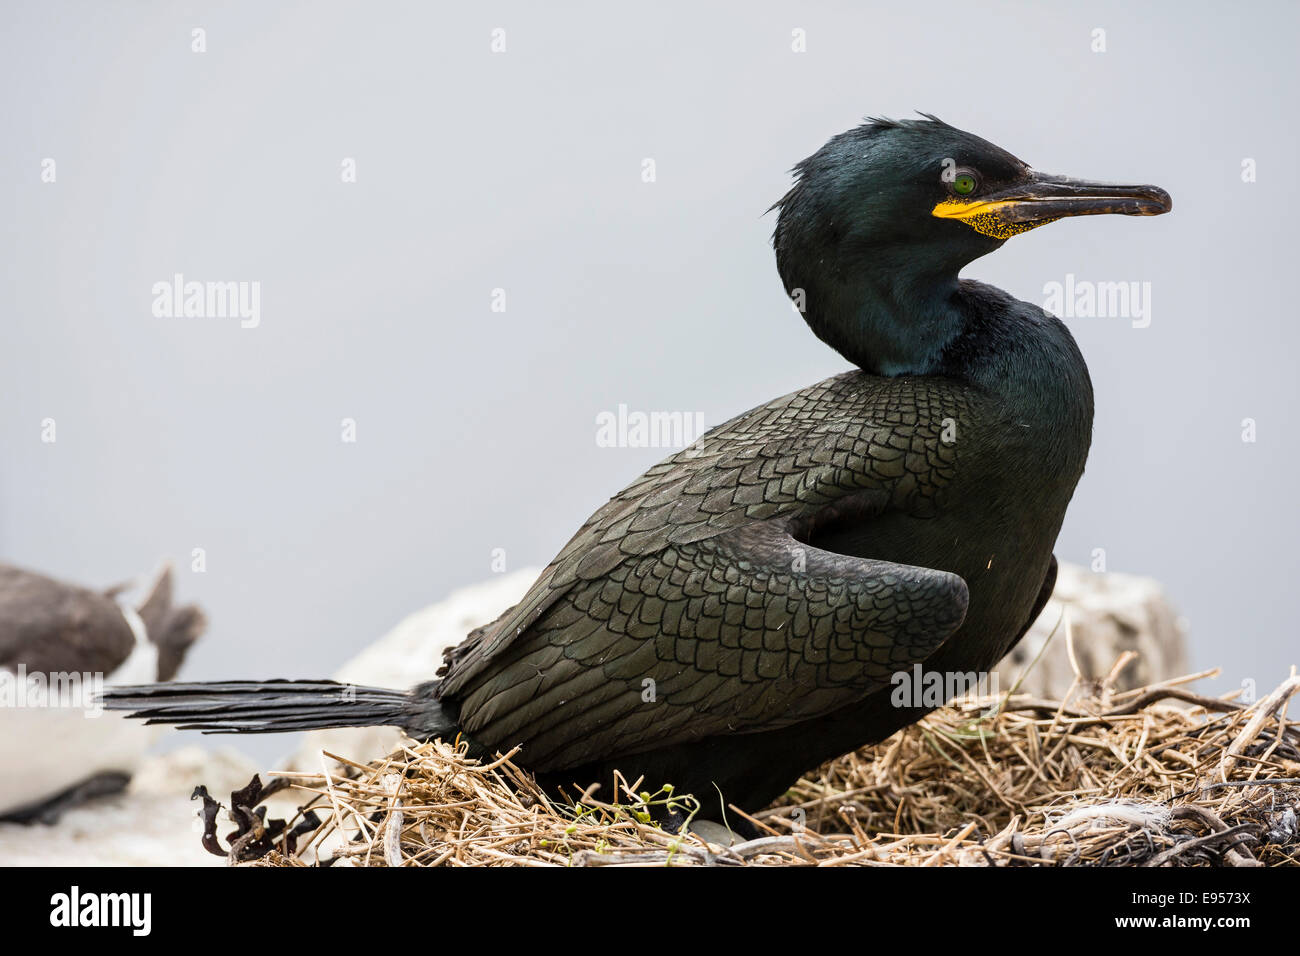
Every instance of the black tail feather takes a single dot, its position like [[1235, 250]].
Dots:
[[271, 707]]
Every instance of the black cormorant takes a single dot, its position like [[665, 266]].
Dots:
[[737, 614]]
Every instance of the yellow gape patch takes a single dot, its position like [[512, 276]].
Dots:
[[983, 217]]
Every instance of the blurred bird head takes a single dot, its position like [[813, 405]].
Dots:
[[171, 628], [881, 219]]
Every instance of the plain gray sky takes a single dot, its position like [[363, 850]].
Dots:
[[522, 171]]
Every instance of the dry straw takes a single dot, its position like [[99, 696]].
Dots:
[[1157, 776]]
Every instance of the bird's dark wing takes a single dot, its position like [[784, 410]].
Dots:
[[747, 631], [793, 457], [848, 443], [49, 626]]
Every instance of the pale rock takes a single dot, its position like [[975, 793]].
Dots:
[[152, 823], [1109, 614]]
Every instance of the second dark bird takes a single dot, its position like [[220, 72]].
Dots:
[[735, 616]]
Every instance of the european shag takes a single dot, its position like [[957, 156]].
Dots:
[[56, 641], [735, 616]]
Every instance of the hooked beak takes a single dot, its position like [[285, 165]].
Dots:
[[1041, 198]]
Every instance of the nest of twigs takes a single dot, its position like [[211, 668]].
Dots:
[[1157, 776]]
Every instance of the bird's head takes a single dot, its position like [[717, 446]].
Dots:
[[881, 219]]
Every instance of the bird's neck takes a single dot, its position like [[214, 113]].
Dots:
[[898, 319], [891, 320], [1028, 359], [1003, 340]]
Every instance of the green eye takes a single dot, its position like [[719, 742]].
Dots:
[[963, 185]]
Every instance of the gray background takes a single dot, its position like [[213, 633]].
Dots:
[[522, 171]]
